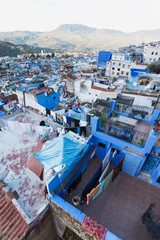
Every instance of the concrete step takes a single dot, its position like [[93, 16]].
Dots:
[[145, 176]]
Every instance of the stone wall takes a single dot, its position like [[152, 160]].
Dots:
[[46, 229], [63, 219]]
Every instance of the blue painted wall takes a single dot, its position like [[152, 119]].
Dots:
[[101, 152], [103, 58], [136, 71], [155, 115], [113, 105], [71, 180], [56, 181], [2, 114], [120, 145], [50, 101]]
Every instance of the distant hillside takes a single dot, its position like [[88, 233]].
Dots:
[[80, 37], [12, 50]]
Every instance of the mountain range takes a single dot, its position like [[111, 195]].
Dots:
[[12, 50], [80, 37]]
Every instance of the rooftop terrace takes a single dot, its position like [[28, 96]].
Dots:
[[16, 147], [119, 208], [26, 117], [140, 130]]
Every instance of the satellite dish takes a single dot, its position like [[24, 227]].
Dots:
[[3, 175]]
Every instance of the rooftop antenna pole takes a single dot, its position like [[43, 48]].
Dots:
[[24, 100]]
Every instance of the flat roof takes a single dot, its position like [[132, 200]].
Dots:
[[119, 208], [127, 120], [16, 148], [27, 117], [104, 95], [37, 91]]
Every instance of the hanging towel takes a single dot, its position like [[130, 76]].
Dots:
[[113, 156], [106, 159], [107, 180], [104, 173], [99, 190], [92, 184], [92, 193], [117, 169]]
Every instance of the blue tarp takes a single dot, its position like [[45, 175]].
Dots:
[[60, 153]]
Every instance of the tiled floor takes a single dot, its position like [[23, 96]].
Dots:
[[120, 207], [92, 168], [141, 130], [143, 127]]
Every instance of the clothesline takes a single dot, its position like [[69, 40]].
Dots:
[[99, 182]]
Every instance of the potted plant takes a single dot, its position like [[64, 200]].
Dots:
[[103, 121], [114, 113], [155, 131], [141, 142], [76, 200]]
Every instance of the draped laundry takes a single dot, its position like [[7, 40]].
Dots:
[[101, 187], [106, 159], [93, 227], [118, 168], [92, 184]]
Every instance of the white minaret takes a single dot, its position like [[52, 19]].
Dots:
[[42, 53]]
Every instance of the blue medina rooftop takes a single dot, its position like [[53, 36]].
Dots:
[[100, 187], [105, 187]]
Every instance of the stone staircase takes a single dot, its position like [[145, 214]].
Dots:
[[145, 176]]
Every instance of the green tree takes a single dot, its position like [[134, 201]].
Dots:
[[154, 68], [114, 79], [32, 55], [53, 55], [103, 120], [48, 56], [65, 55]]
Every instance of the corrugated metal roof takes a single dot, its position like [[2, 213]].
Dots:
[[12, 224]]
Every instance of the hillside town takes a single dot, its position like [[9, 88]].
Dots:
[[80, 145]]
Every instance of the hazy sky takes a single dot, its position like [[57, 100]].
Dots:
[[46, 15]]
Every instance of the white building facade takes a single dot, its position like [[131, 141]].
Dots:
[[151, 53], [89, 90], [119, 68]]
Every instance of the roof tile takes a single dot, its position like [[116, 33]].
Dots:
[[12, 224]]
